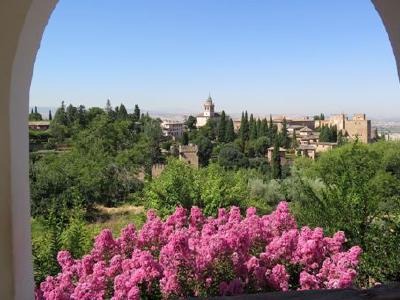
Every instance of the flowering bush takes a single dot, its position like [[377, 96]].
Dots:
[[198, 256]]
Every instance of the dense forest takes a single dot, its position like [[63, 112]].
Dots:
[[93, 157]]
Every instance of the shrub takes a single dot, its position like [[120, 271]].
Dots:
[[197, 256]]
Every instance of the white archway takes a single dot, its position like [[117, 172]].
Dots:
[[22, 23]]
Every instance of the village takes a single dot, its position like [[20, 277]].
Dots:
[[305, 133]]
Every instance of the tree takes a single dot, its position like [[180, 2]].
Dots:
[[136, 113], [260, 146], [252, 128], [294, 140], [210, 130], [34, 115], [191, 123], [174, 187], [272, 130], [285, 141], [230, 157], [259, 128], [60, 116], [358, 194], [244, 127], [264, 127], [108, 106], [230, 132], [185, 138], [222, 127], [205, 148], [50, 116], [276, 166], [122, 112]]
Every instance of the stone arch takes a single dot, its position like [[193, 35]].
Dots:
[[22, 23]]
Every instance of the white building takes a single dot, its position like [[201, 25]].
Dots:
[[208, 113], [172, 128]]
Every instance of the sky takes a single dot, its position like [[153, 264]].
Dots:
[[292, 57]]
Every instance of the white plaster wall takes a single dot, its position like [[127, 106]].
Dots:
[[22, 23], [389, 11]]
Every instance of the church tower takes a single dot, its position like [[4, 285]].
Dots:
[[209, 107]]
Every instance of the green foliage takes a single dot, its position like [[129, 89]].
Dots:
[[284, 138], [244, 128], [357, 192], [205, 148], [328, 134], [210, 188], [230, 132], [222, 127], [191, 123], [230, 157], [34, 115], [219, 188], [175, 186], [102, 165], [61, 229], [276, 167], [185, 138]]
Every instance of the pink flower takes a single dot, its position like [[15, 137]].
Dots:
[[194, 255]]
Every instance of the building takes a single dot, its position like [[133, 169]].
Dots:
[[173, 129], [156, 170], [297, 122], [309, 151], [39, 125], [356, 127], [314, 149], [307, 136], [325, 146], [282, 154], [189, 154], [207, 114], [236, 125], [294, 129]]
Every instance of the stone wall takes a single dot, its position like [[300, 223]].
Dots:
[[189, 154]]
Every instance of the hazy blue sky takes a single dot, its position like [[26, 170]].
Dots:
[[267, 56]]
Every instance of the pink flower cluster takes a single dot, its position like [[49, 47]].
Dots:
[[198, 256]]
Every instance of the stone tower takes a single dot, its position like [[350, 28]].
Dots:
[[209, 107], [189, 154]]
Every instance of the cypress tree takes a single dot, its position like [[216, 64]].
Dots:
[[284, 134], [36, 110], [244, 128], [259, 128], [136, 113], [222, 128], [294, 140], [185, 138], [122, 112], [276, 168], [230, 132], [108, 106], [264, 127], [271, 130], [50, 116], [245, 133], [252, 128]]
